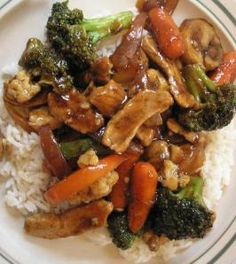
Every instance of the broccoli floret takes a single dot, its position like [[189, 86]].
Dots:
[[76, 37], [181, 215], [122, 237], [216, 104], [45, 65]]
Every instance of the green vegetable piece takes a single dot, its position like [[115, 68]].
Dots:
[[76, 148], [216, 104], [181, 215], [122, 237], [45, 65], [76, 37]]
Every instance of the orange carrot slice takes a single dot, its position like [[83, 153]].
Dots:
[[81, 179], [226, 72]]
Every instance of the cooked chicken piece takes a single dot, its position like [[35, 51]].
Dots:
[[157, 80], [176, 154], [101, 71], [40, 117], [124, 125], [192, 137], [177, 86], [89, 158], [20, 88], [75, 111], [108, 98], [157, 152], [70, 223], [154, 121], [97, 190], [38, 100], [145, 135]]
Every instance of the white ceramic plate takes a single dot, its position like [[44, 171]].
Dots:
[[20, 20]]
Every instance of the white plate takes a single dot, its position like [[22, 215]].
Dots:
[[20, 20]]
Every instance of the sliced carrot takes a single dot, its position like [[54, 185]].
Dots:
[[81, 179], [143, 189], [118, 195], [166, 33], [226, 72]]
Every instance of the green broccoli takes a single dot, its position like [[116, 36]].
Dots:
[[76, 37], [75, 148], [181, 215], [45, 65], [217, 104], [122, 237]]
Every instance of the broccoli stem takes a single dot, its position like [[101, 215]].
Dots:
[[210, 85], [98, 28], [198, 84], [192, 86], [193, 191]]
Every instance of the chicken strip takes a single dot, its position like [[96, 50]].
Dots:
[[70, 223], [75, 111], [108, 98], [177, 86], [124, 125]]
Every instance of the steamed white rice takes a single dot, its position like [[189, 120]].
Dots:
[[25, 180]]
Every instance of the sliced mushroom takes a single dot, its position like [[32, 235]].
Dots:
[[177, 86], [124, 125], [107, 99], [202, 44], [75, 111], [192, 137], [70, 223]]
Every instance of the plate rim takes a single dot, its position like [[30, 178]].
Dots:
[[7, 5]]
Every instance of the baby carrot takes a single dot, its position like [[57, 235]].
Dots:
[[143, 188], [166, 33], [118, 195]]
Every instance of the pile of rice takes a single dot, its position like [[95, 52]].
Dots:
[[25, 180]]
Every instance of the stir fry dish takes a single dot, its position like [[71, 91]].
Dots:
[[123, 134]]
